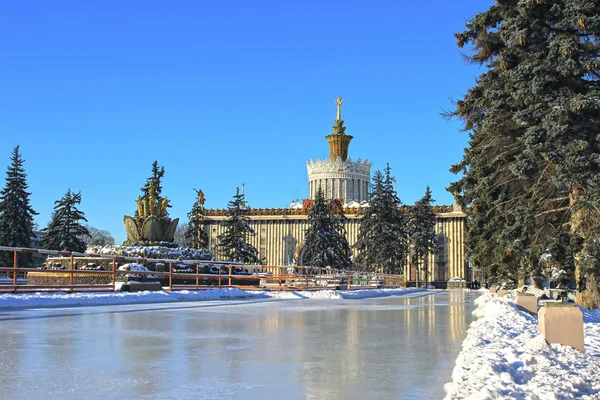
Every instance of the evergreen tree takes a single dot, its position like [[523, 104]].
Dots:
[[382, 238], [370, 225], [325, 243], [195, 235], [233, 243], [16, 214], [422, 233], [533, 118], [65, 231]]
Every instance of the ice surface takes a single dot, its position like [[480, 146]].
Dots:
[[395, 347]]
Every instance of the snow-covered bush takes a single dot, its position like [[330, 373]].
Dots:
[[133, 267]]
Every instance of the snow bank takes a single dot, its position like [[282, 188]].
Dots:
[[339, 294], [40, 299], [504, 357]]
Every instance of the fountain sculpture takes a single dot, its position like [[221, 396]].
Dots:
[[151, 224]]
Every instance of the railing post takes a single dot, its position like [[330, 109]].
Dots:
[[219, 276], [230, 268], [197, 269], [114, 276], [170, 277], [15, 266], [71, 276]]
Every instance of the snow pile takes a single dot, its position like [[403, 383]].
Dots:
[[163, 252], [363, 294], [339, 294], [504, 357], [133, 267], [34, 300], [304, 294]]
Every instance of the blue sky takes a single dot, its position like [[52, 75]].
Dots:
[[225, 92]]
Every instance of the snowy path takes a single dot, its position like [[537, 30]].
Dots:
[[503, 357]]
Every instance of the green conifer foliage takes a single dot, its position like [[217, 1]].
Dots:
[[422, 234], [195, 235], [382, 238], [325, 244], [533, 162], [16, 213], [153, 184], [65, 231], [233, 243]]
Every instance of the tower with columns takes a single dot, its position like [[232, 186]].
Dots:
[[338, 176]]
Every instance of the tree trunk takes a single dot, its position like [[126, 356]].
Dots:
[[426, 268], [416, 263], [536, 278], [588, 279]]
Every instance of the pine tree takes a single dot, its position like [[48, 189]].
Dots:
[[422, 233], [382, 238], [16, 213], [534, 118], [233, 243], [65, 231], [325, 244], [195, 235]]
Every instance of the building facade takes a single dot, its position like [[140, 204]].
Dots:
[[280, 233]]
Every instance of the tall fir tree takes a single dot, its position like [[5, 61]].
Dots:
[[65, 231], [382, 238], [233, 243], [422, 234], [195, 235], [367, 241], [16, 213], [325, 244], [534, 118]]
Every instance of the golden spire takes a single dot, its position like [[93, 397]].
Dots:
[[338, 140], [339, 101]]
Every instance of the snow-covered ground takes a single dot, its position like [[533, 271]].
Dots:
[[504, 357], [40, 299]]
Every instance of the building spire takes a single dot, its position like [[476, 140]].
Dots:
[[339, 101], [338, 140], [338, 127]]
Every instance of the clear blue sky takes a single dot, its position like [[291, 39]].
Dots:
[[225, 92]]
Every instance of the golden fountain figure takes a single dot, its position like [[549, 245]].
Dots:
[[151, 224]]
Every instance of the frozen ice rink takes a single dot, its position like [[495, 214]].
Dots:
[[401, 347]]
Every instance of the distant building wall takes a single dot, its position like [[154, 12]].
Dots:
[[280, 235]]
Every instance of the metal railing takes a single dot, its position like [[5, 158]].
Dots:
[[305, 278]]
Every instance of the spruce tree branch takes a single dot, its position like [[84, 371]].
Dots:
[[561, 209]]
